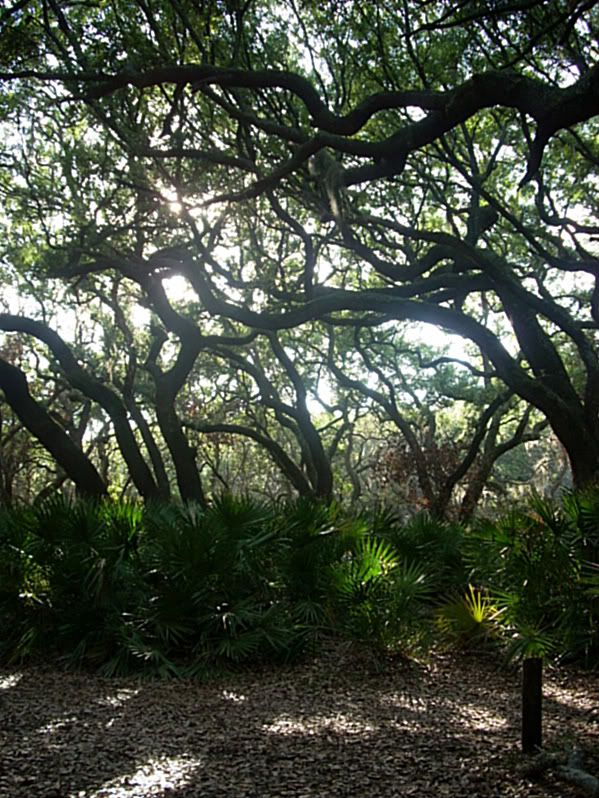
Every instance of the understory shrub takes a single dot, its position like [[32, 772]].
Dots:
[[429, 544], [172, 589], [539, 567], [470, 620]]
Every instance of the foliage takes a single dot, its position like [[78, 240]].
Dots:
[[174, 589], [472, 620], [541, 571], [430, 544], [246, 219], [379, 600]]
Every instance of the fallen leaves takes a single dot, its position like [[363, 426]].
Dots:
[[331, 727]]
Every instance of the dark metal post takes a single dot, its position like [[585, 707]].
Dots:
[[532, 699]]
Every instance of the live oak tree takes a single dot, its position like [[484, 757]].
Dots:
[[27, 473], [353, 164], [429, 456]]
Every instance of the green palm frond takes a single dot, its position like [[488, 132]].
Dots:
[[530, 642], [241, 647], [472, 619], [411, 583], [433, 544]]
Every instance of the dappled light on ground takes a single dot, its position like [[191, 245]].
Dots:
[[118, 699], [155, 777], [404, 701], [231, 695], [475, 716], [572, 697], [10, 680], [57, 725], [325, 728], [319, 724]]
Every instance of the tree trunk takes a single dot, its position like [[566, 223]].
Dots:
[[580, 440], [278, 455], [583, 455], [575, 425], [162, 481], [98, 392], [168, 384], [188, 477], [42, 426]]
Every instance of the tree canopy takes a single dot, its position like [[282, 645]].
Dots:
[[224, 220]]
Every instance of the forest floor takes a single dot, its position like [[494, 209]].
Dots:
[[336, 726]]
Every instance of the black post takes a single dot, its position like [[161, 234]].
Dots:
[[532, 698]]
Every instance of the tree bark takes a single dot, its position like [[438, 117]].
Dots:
[[279, 456], [320, 465], [91, 387], [156, 458], [188, 477], [39, 422], [168, 385]]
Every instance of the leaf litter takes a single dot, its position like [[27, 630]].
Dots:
[[334, 726]]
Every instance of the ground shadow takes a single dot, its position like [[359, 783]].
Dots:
[[336, 729]]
